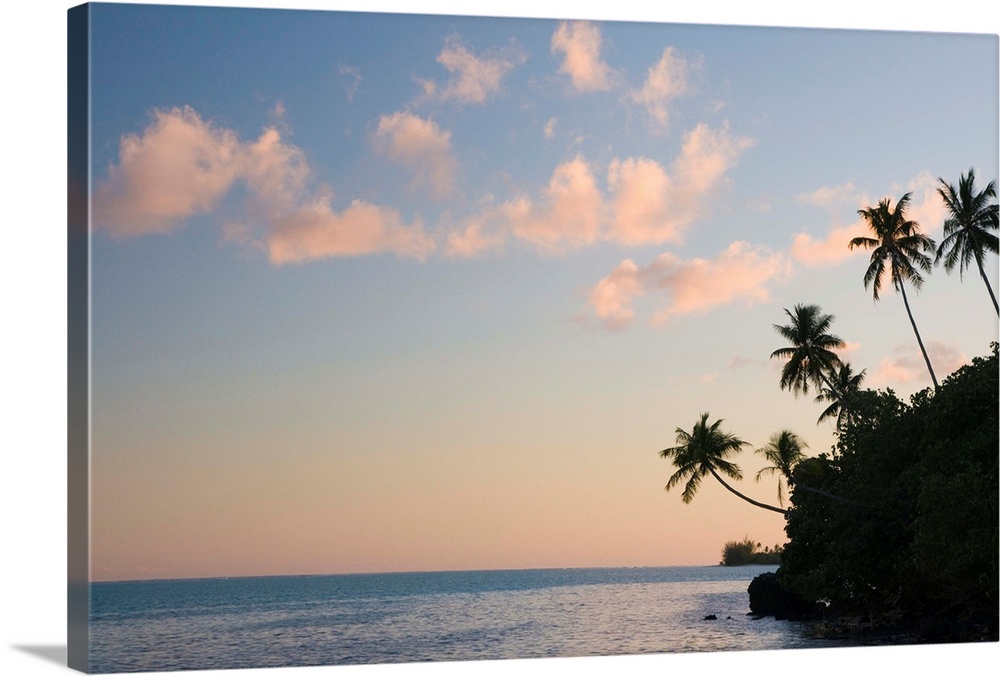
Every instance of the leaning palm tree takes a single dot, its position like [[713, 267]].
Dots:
[[784, 452], [967, 233], [703, 451], [844, 384], [898, 246], [810, 355]]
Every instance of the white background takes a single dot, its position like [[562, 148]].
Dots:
[[33, 335]]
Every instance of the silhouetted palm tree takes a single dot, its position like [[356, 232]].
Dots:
[[783, 451], [967, 233], [899, 247], [702, 452], [844, 384], [810, 355]]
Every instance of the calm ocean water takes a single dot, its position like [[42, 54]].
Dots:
[[227, 623]]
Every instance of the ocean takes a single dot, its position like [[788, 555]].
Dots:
[[225, 623]]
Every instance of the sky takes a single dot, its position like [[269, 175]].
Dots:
[[378, 292], [34, 501]]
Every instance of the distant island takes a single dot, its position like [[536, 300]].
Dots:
[[747, 552]]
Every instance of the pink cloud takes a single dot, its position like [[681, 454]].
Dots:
[[475, 78], [611, 298], [652, 207], [828, 196], [665, 81], [569, 214], [477, 236], [317, 231], [832, 250], [926, 208], [580, 44], [419, 145], [180, 166], [643, 204], [706, 154], [741, 273], [906, 364]]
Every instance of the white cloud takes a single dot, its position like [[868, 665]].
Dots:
[[580, 44], [420, 146]]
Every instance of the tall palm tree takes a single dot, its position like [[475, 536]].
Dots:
[[899, 246], [810, 355], [702, 452], [783, 451], [844, 384], [967, 233]]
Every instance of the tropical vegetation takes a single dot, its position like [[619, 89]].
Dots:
[[746, 552], [898, 523], [784, 452], [899, 247], [811, 356], [702, 452], [967, 235]]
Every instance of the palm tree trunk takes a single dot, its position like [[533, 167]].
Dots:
[[751, 501], [902, 289], [988, 287]]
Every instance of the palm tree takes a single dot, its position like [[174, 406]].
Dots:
[[967, 233], [844, 384], [810, 354], [783, 451], [899, 247], [702, 452]]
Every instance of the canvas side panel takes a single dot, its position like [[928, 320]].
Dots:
[[78, 338]]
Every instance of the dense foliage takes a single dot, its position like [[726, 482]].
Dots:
[[920, 540], [747, 552]]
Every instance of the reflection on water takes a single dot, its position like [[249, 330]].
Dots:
[[350, 620]]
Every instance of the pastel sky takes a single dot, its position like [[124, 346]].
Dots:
[[378, 292]]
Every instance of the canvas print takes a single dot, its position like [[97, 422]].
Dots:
[[402, 338]]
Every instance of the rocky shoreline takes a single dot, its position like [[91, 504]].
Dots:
[[768, 598]]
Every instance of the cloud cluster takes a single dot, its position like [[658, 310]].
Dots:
[[643, 204], [580, 44], [181, 166], [741, 273], [926, 208]]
